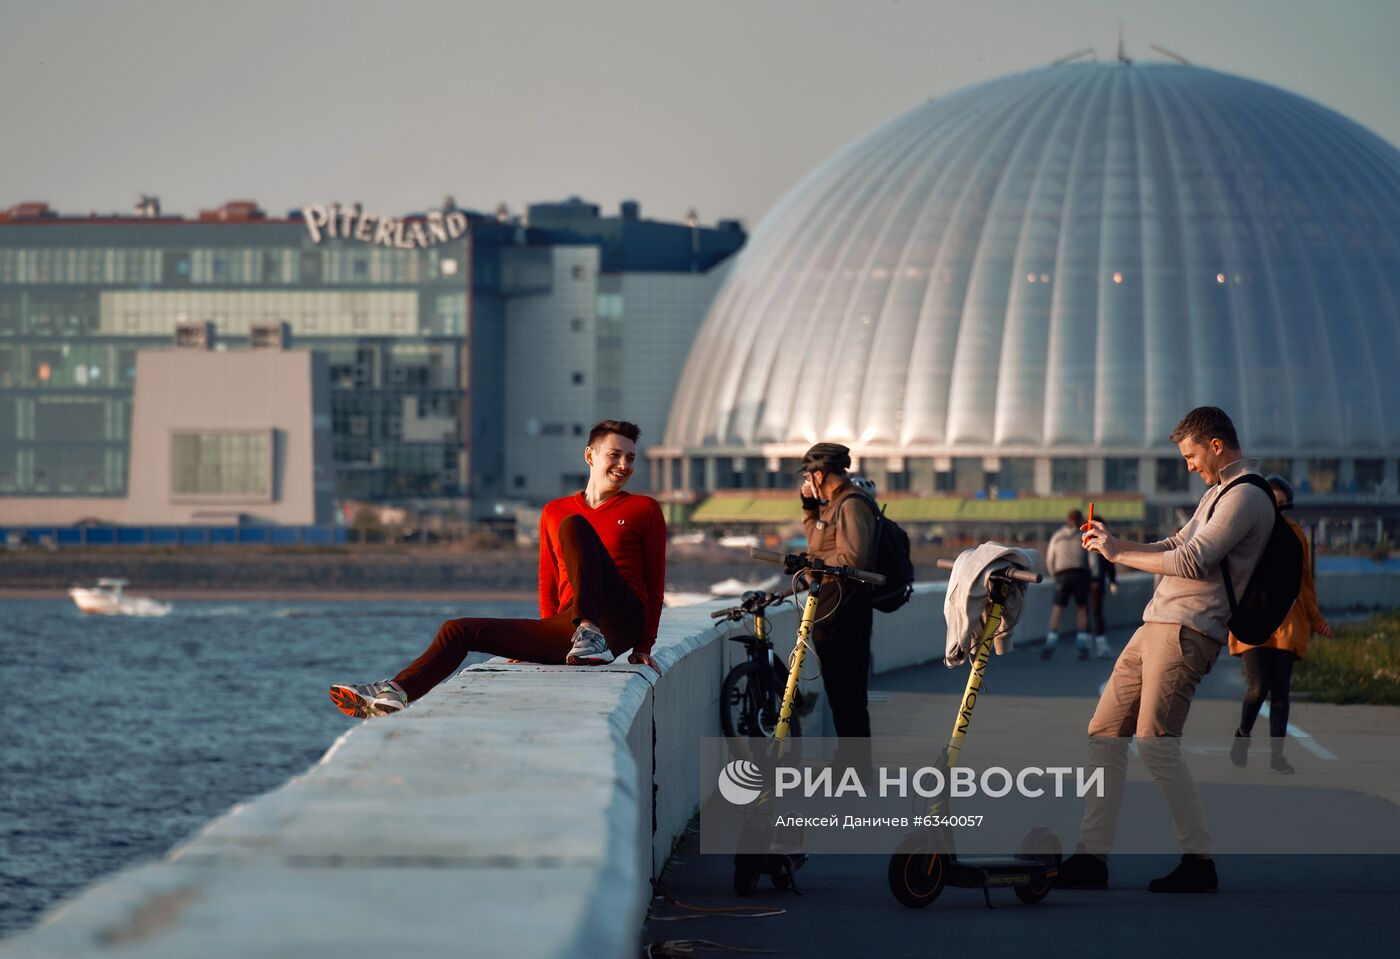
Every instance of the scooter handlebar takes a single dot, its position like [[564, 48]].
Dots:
[[793, 562], [1023, 575]]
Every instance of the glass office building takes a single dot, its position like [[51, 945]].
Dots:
[[1026, 283], [434, 327], [80, 296]]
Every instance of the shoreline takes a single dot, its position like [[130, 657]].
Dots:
[[276, 595]]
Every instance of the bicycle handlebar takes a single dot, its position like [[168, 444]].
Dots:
[[793, 562], [752, 602], [1023, 575]]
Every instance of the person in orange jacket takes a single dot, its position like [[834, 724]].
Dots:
[[1268, 667]]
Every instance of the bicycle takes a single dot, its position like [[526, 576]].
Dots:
[[751, 696]]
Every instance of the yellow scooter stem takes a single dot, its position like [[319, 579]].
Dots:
[[799, 652]]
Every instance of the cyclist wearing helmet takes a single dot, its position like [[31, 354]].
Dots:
[[840, 537]]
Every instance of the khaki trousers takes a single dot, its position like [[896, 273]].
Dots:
[[1149, 696]]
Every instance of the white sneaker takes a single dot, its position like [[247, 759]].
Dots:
[[589, 649], [1101, 648], [367, 700]]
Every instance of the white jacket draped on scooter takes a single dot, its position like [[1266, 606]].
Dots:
[[964, 606]]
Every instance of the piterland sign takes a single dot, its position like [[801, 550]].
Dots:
[[349, 223]]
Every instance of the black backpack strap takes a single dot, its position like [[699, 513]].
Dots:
[[1250, 479]]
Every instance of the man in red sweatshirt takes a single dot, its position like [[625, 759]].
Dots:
[[602, 574]]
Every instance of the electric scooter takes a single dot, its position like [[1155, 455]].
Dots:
[[758, 831], [927, 861]]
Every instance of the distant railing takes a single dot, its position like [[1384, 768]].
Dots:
[[68, 536]]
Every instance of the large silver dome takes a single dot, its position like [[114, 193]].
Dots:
[[1066, 260]]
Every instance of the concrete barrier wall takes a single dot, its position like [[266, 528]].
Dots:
[[516, 811]]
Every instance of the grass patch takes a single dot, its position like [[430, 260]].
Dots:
[[1359, 664]]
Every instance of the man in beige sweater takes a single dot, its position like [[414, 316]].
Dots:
[[1184, 627]]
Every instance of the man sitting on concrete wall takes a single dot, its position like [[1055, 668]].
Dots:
[[602, 574]]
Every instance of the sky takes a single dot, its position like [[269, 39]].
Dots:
[[715, 105]]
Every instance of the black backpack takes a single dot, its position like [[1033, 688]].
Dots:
[[891, 561], [1272, 590]]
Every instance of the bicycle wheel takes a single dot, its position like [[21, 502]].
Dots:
[[741, 698], [750, 703]]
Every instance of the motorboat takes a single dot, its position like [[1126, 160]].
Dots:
[[673, 598], [108, 599]]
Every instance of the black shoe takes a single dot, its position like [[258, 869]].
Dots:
[[1047, 652], [1082, 871], [1239, 749], [1193, 874], [1083, 652], [1280, 765]]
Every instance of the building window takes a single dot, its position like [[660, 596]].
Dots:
[[1017, 474], [518, 482], [1120, 475], [576, 325], [578, 378], [232, 464], [1370, 475], [578, 273], [578, 429], [1171, 475], [1322, 475], [1068, 475]]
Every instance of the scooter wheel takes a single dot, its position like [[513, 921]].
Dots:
[[748, 867], [916, 879], [1046, 850]]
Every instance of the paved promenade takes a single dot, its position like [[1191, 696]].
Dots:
[[1267, 905]]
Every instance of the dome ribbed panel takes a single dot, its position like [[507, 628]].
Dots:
[[1168, 280], [882, 399], [948, 280], [1070, 361], [954, 219], [1020, 384], [1120, 401], [978, 354]]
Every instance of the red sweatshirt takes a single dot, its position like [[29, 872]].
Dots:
[[634, 534]]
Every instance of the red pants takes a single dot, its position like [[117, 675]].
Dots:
[[600, 595]]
